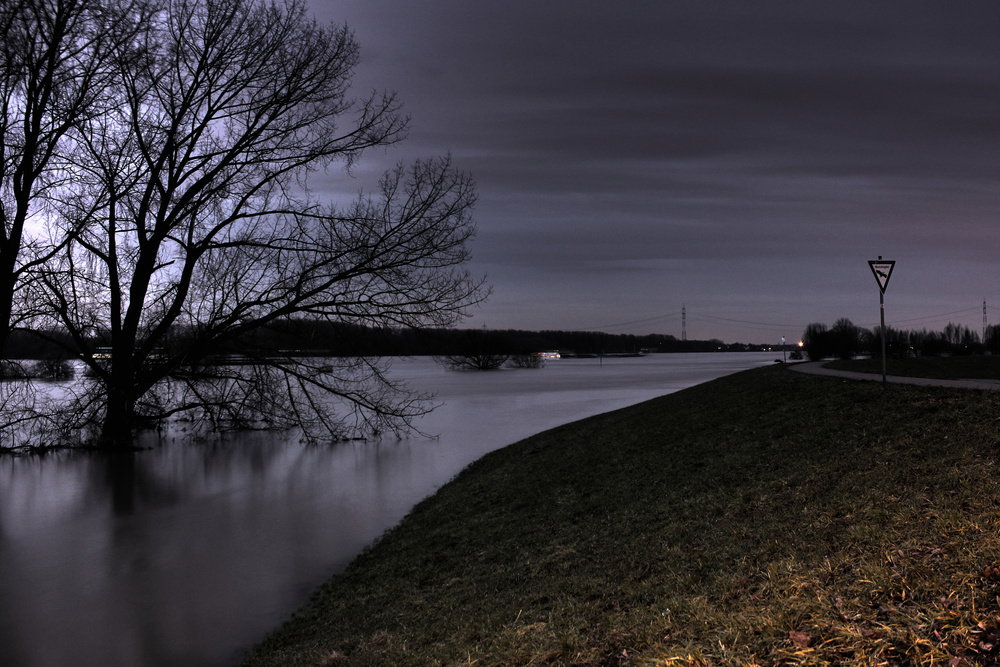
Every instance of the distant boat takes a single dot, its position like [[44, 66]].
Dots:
[[552, 354]]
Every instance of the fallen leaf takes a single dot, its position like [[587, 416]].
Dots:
[[800, 639]]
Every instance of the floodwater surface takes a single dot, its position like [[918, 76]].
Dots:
[[188, 553]]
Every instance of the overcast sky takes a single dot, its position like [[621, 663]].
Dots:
[[743, 160]]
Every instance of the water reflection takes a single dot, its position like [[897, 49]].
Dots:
[[187, 553], [147, 559]]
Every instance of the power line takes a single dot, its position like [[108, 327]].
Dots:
[[734, 321], [928, 318], [628, 324]]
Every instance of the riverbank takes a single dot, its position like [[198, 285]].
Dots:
[[768, 516]]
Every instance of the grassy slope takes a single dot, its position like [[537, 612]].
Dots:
[[765, 518]]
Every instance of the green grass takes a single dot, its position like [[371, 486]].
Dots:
[[966, 368], [766, 518]]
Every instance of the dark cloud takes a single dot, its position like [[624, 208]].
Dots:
[[741, 158]]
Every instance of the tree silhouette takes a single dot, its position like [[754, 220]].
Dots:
[[189, 224], [56, 64]]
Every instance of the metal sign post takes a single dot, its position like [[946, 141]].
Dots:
[[882, 269]]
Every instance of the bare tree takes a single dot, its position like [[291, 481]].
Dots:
[[476, 350], [191, 225], [474, 361], [526, 360], [55, 62]]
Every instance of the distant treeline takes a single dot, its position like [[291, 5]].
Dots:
[[846, 340], [568, 343], [340, 339]]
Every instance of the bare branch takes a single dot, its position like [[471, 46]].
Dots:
[[187, 224]]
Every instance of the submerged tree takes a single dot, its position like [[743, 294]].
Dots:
[[473, 361], [476, 350], [190, 224]]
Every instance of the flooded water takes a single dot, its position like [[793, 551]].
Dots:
[[189, 553]]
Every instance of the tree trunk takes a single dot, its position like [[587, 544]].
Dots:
[[8, 285], [118, 430]]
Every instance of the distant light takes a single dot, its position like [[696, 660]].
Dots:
[[801, 344]]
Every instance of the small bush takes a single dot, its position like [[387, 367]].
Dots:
[[526, 361], [53, 369]]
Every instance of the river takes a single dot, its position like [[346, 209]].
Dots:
[[195, 550]]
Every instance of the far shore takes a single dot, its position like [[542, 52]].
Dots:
[[764, 518]]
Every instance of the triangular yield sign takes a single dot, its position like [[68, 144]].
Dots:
[[882, 268]]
